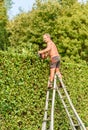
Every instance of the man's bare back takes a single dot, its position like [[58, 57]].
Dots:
[[53, 50]]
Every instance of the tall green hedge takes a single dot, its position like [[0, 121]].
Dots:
[[23, 80], [22, 90]]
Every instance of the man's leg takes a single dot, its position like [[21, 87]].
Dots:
[[52, 72], [58, 73], [51, 78]]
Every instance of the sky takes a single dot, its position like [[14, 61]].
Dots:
[[25, 5]]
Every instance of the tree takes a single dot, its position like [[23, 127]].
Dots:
[[67, 1], [3, 21], [68, 30], [8, 4]]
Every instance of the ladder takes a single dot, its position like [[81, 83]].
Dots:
[[74, 119]]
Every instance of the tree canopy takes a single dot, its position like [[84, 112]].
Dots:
[[66, 24], [3, 22], [8, 4]]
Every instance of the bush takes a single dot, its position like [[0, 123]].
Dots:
[[23, 79]]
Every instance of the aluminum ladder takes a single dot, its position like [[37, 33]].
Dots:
[[48, 120]]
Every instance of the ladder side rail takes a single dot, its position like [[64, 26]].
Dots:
[[71, 121], [70, 102], [46, 108], [53, 102], [52, 108]]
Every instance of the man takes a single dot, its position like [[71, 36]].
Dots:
[[52, 52]]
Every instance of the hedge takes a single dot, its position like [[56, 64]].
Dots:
[[23, 80]]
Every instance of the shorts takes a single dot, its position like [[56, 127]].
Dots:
[[55, 63]]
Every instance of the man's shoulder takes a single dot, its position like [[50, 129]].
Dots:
[[50, 43]]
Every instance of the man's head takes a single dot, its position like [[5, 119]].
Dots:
[[46, 37]]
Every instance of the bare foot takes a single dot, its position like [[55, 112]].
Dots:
[[50, 84]]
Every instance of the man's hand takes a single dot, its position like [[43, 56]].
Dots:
[[39, 52], [41, 55]]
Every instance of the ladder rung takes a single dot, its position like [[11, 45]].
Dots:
[[45, 120], [72, 115], [66, 106], [51, 88], [76, 125], [46, 109], [63, 97], [49, 99]]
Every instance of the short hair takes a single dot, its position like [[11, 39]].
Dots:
[[47, 34]]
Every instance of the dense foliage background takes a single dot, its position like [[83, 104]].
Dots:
[[3, 21], [24, 76]]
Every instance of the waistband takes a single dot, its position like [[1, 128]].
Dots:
[[55, 59]]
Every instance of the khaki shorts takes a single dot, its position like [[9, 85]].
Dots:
[[55, 63]]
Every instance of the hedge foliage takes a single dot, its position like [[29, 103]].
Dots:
[[23, 80], [23, 84]]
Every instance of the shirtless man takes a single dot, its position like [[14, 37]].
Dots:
[[52, 52]]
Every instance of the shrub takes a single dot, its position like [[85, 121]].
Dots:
[[23, 79]]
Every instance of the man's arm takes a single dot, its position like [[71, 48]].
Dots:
[[46, 49]]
